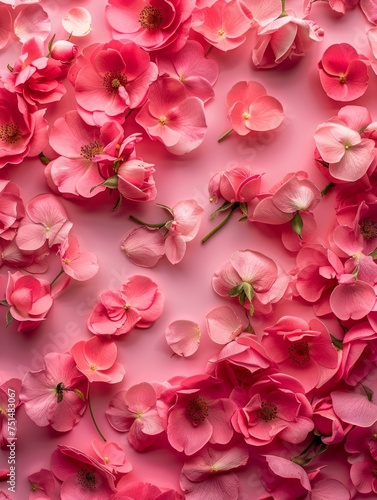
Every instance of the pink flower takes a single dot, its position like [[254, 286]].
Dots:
[[135, 180], [96, 359], [238, 184], [327, 423], [343, 72], [42, 485], [29, 299], [78, 265], [64, 51], [192, 69], [183, 337], [12, 209], [113, 79], [210, 473], [252, 277], [82, 476], [46, 224], [275, 405], [363, 476], [251, 109], [223, 25], [143, 246], [36, 77], [151, 25], [55, 395], [138, 303], [173, 118], [111, 456], [22, 133], [135, 411]]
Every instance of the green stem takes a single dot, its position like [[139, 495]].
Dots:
[[327, 188], [224, 136], [283, 12], [152, 226], [57, 276], [94, 420], [222, 223]]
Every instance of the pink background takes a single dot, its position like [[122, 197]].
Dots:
[[186, 286]]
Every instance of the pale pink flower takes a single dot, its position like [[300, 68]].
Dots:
[[22, 133], [29, 299], [173, 118], [143, 246], [327, 423], [35, 76], [64, 51], [134, 411], [77, 22], [113, 79], [273, 406], [82, 476], [256, 280], [80, 266], [56, 394], [224, 325], [343, 72], [183, 337], [302, 350], [135, 180], [5, 26], [45, 224], [111, 456], [354, 408], [223, 25], [12, 209], [191, 68], [14, 385], [32, 21], [210, 474], [369, 9], [137, 304], [96, 359], [152, 25], [237, 184], [42, 485]]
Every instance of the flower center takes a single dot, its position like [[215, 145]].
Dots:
[[342, 79], [10, 133], [151, 17], [59, 390], [86, 479], [299, 353], [113, 80], [374, 472], [268, 411], [368, 228], [197, 410], [92, 149]]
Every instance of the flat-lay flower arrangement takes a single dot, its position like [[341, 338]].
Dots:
[[282, 405]]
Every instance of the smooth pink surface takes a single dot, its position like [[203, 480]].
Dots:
[[187, 285]]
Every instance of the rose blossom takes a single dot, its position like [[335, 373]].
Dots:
[[238, 184]]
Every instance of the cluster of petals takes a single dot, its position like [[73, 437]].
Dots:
[[340, 6], [237, 184], [138, 303], [12, 209], [77, 264]]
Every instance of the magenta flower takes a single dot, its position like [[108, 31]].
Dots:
[[96, 359], [253, 278], [343, 72], [210, 474], [138, 303], [172, 118], [55, 395], [22, 133], [135, 411], [12, 209], [152, 25], [114, 79]]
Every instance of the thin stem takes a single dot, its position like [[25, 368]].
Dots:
[[94, 420], [152, 226], [224, 136], [222, 223], [327, 188], [57, 276], [283, 12]]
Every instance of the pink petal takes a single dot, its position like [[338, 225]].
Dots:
[[254, 268], [32, 21], [140, 397], [245, 92], [263, 12], [100, 352], [329, 489], [266, 113], [219, 486], [353, 300], [355, 162], [183, 337], [175, 248], [144, 247], [31, 237], [369, 7], [5, 26], [336, 58], [223, 325], [77, 22], [183, 436], [267, 212], [354, 408]]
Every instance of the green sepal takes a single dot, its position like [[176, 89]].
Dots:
[[44, 159], [297, 224], [4, 303], [338, 343], [225, 206], [369, 393], [111, 182], [236, 290], [243, 208], [242, 219], [118, 203], [9, 318], [79, 393], [248, 289]]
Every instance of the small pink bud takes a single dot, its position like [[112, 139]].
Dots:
[[64, 51]]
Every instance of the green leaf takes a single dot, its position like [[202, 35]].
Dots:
[[243, 208], [236, 290], [111, 182], [297, 224], [248, 289], [44, 159], [9, 318], [242, 219], [336, 342], [374, 254], [4, 303]]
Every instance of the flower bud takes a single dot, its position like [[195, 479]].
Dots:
[[64, 51]]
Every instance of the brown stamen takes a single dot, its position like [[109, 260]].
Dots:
[[10, 133], [368, 228], [299, 353], [197, 410], [92, 149], [150, 17], [113, 80], [268, 411]]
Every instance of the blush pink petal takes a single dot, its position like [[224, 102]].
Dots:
[[329, 489], [175, 248], [331, 139], [183, 436], [267, 212], [183, 337], [77, 22], [225, 487], [254, 268], [354, 408], [32, 21], [353, 300], [223, 325], [79, 265], [143, 246], [287, 469], [369, 7], [5, 26], [296, 195], [263, 12]]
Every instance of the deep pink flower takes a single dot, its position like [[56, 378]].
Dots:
[[55, 395], [143, 246], [36, 77], [327, 423], [343, 72], [362, 441], [134, 411], [22, 133], [29, 299], [275, 405], [152, 25], [210, 474], [42, 485], [237, 184], [82, 476], [46, 224], [64, 51], [255, 279], [12, 209], [173, 118], [96, 359], [78, 265], [363, 475], [196, 73], [114, 79], [223, 25], [138, 303]]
